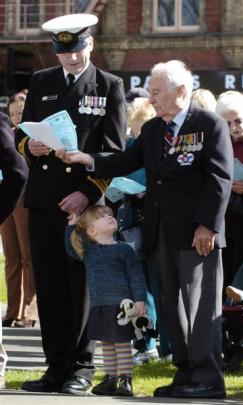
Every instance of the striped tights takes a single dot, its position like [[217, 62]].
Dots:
[[117, 358]]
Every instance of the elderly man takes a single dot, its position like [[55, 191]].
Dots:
[[188, 160], [13, 178], [95, 100]]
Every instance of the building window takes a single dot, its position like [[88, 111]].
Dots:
[[176, 15], [28, 15], [79, 6]]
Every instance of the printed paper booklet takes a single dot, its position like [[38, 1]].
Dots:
[[120, 186], [238, 170]]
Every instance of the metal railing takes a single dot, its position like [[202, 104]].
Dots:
[[22, 19]]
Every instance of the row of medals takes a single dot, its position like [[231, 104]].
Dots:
[[187, 143], [92, 105]]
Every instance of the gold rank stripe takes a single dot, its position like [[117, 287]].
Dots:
[[21, 145], [101, 184]]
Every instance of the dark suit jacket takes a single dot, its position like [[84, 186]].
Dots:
[[49, 181], [183, 195], [14, 170]]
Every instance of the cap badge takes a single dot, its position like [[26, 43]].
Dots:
[[66, 37]]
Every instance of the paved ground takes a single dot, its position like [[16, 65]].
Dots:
[[24, 349], [18, 398]]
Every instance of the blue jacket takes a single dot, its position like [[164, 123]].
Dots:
[[113, 271]]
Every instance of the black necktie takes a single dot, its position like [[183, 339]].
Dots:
[[169, 137], [71, 79]]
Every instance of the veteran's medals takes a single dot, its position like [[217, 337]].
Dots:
[[185, 146], [94, 105]]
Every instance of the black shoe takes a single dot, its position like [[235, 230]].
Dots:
[[7, 323], [124, 388], [107, 386], [164, 391], [198, 390], [47, 383], [76, 385]]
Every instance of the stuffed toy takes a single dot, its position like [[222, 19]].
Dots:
[[143, 325]]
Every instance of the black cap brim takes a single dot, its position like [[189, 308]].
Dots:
[[60, 47]]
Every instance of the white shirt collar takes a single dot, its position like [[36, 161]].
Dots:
[[76, 76], [180, 117]]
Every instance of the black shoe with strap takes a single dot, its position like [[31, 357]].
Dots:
[[124, 388], [76, 385], [107, 386]]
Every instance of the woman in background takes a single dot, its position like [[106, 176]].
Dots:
[[230, 107], [21, 298]]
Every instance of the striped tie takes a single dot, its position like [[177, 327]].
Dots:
[[168, 137]]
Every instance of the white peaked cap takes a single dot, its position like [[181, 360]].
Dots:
[[71, 23]]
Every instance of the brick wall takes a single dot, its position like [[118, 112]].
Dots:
[[134, 16], [213, 15], [196, 60]]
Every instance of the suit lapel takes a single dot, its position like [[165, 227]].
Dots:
[[190, 120]]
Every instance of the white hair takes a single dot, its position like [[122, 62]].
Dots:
[[176, 74], [230, 101]]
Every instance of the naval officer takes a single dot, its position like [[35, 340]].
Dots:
[[188, 159], [95, 101]]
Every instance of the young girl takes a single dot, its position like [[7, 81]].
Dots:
[[114, 273]]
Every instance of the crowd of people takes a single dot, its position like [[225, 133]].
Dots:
[[63, 246]]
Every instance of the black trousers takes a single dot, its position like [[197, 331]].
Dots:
[[62, 297], [192, 293]]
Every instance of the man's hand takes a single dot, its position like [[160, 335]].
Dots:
[[238, 187], [203, 240], [75, 202], [75, 157], [37, 148], [140, 308]]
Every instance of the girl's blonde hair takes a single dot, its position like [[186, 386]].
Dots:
[[80, 234], [139, 109], [204, 98]]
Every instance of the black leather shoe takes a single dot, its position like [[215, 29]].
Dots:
[[76, 385], [197, 390], [46, 383], [107, 386], [165, 391]]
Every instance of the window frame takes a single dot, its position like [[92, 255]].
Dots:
[[177, 27], [29, 30]]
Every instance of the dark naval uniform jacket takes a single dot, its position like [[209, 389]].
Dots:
[[50, 180], [190, 186], [13, 167]]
